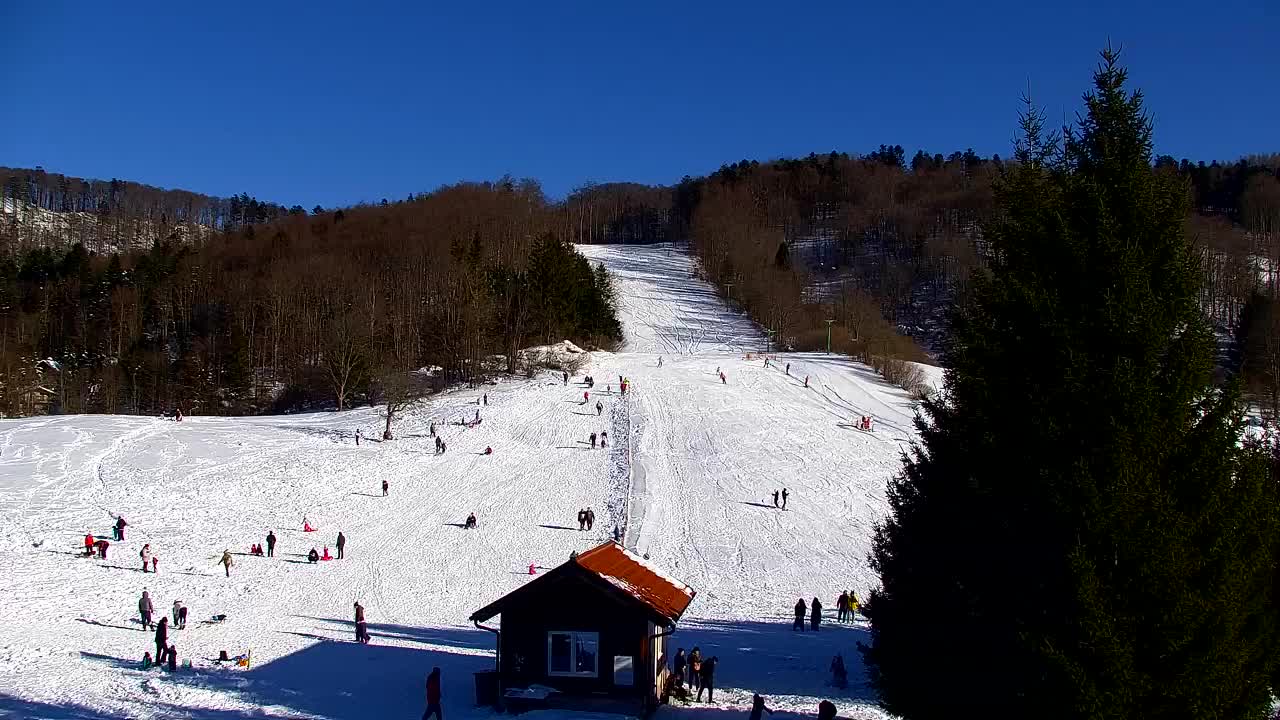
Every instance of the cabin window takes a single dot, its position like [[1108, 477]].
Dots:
[[573, 654]]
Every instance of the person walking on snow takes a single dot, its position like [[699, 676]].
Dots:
[[485, 398], [145, 608], [384, 488], [784, 498], [800, 610], [162, 639], [226, 562], [842, 607], [145, 554], [342, 542], [723, 381], [593, 441], [586, 396], [707, 679], [120, 526], [757, 708], [271, 543], [357, 437], [815, 614], [591, 518], [89, 542], [659, 361], [582, 519], [695, 667], [362, 628], [599, 408], [775, 498], [433, 695]]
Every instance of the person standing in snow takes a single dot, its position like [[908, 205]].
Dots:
[[357, 437], [145, 554], [271, 543], [678, 665], [226, 562], [800, 610], [145, 608], [707, 679], [342, 543], [444, 448], [775, 498], [477, 415], [155, 560], [815, 614], [384, 488], [586, 396], [362, 628], [120, 526], [565, 375], [177, 607], [433, 695], [842, 607], [599, 408], [485, 399], [593, 441], [659, 361], [89, 542], [784, 498], [757, 708], [723, 381], [788, 368], [162, 639], [695, 667], [582, 519], [591, 518]]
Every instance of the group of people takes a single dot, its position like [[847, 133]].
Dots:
[[865, 423], [847, 607], [783, 495], [586, 519], [603, 437], [696, 672], [165, 652], [815, 614]]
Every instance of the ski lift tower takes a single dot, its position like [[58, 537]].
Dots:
[[768, 340]]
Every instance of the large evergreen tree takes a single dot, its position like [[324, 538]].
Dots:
[[1079, 533]]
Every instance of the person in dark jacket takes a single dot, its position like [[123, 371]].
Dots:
[[757, 708], [384, 488], [678, 666], [707, 679], [815, 614], [839, 675], [172, 652], [695, 667], [433, 695], [362, 628], [784, 498], [313, 556], [342, 542], [271, 543], [842, 607], [582, 519], [162, 639], [145, 608], [591, 518], [826, 710], [120, 526], [775, 498], [800, 609]]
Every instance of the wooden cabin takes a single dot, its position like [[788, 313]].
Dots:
[[595, 629]]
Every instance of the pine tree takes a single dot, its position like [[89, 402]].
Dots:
[[1079, 533]]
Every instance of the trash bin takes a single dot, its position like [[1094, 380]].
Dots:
[[487, 687]]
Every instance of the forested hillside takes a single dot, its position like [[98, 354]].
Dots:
[[301, 311]]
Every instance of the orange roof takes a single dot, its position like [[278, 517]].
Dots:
[[633, 574]]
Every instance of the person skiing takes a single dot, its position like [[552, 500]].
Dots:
[[599, 408], [89, 542], [470, 524], [582, 519], [145, 554], [342, 543], [784, 498], [120, 526], [815, 614], [384, 488], [842, 607], [757, 708], [145, 608], [800, 610], [313, 556], [433, 695], [357, 437], [593, 441], [707, 679], [362, 628], [271, 543], [678, 665], [226, 562], [775, 498]]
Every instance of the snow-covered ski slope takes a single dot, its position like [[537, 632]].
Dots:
[[694, 491]]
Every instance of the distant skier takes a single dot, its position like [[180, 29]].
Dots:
[[145, 554], [800, 611], [271, 543], [384, 488], [120, 526], [784, 498], [593, 441], [162, 639], [433, 695], [438, 444], [357, 437], [342, 543], [599, 408], [226, 562], [775, 498], [145, 608], [815, 614], [362, 628]]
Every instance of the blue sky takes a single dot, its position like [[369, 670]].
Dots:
[[337, 103]]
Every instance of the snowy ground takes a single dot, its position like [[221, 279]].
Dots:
[[705, 457]]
